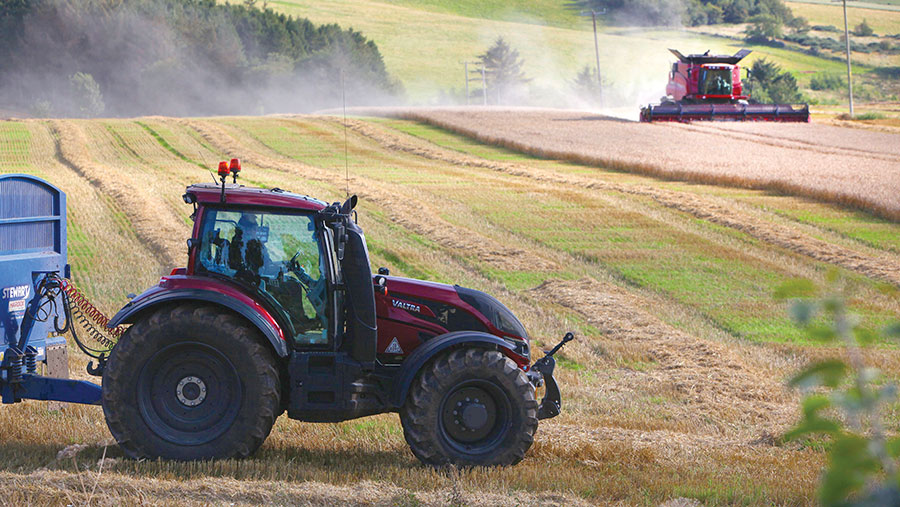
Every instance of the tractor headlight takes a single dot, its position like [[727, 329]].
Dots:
[[519, 346]]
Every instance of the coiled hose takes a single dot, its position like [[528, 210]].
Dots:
[[77, 308]]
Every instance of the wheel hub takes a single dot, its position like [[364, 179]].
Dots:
[[191, 391], [474, 416], [469, 414]]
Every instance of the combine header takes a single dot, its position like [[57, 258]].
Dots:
[[708, 87]]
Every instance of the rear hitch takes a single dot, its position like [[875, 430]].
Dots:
[[552, 402], [97, 371]]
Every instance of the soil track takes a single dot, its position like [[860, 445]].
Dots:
[[879, 265], [852, 167]]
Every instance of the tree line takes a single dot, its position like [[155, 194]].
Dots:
[[179, 57], [683, 12]]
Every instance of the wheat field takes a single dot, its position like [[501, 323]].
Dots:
[[673, 390], [854, 167]]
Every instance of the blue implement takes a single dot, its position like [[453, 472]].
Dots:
[[33, 250], [37, 387]]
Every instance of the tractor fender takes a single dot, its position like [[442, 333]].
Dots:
[[424, 353], [238, 302]]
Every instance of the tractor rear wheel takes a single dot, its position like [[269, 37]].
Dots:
[[470, 407], [191, 382]]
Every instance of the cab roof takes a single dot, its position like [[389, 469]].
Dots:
[[207, 193], [708, 58]]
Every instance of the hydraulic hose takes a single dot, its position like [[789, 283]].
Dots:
[[77, 308]]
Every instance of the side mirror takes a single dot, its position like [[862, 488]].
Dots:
[[349, 204]]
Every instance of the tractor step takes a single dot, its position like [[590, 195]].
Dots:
[[332, 387], [686, 113]]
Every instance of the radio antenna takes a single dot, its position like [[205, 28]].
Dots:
[[346, 159], [203, 164]]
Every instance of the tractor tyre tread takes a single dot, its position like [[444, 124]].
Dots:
[[239, 339], [420, 414]]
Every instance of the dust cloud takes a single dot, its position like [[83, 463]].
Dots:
[[634, 64], [92, 58], [121, 58]]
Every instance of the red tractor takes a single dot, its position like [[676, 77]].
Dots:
[[709, 87], [277, 310]]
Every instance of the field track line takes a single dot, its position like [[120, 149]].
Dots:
[[883, 267], [710, 378], [403, 209], [879, 201], [94, 219], [154, 222], [793, 143]]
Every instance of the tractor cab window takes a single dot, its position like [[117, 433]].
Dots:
[[279, 254], [715, 82]]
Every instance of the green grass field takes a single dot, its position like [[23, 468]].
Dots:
[[425, 43], [883, 18], [681, 355]]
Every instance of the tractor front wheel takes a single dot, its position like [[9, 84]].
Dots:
[[470, 407], [191, 382]]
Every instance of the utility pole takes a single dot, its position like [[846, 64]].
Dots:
[[483, 85], [597, 54], [467, 82], [849, 73]]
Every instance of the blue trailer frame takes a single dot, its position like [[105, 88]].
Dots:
[[33, 247]]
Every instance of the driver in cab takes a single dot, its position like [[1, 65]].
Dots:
[[284, 280]]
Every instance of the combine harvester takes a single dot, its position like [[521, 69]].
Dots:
[[708, 87], [276, 310]]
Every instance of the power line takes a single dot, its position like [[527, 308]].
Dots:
[[849, 73], [597, 52]]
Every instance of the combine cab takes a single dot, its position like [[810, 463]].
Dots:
[[708, 87]]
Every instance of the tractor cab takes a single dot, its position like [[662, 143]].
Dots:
[[280, 256], [291, 252]]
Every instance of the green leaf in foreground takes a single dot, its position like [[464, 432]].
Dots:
[[826, 373], [893, 330], [812, 423], [862, 465], [802, 312], [850, 465]]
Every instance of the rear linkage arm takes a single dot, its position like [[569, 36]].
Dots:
[[542, 373]]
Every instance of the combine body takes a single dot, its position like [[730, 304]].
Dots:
[[709, 87]]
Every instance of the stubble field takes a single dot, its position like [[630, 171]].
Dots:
[[674, 388]]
